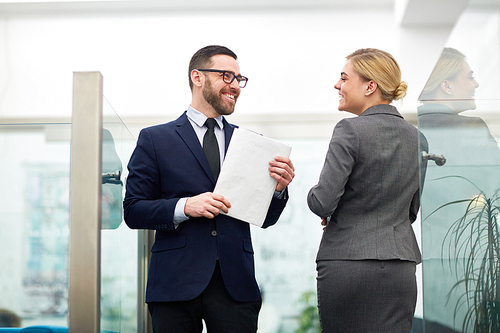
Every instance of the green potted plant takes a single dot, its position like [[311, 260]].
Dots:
[[473, 242]]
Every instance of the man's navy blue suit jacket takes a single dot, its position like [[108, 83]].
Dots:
[[168, 163]]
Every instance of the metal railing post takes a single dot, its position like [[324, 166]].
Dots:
[[85, 203]]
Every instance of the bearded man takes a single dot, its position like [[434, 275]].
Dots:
[[202, 264]]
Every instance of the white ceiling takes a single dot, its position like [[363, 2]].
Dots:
[[117, 6], [408, 12]]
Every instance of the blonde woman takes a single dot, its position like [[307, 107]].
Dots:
[[367, 197], [452, 83]]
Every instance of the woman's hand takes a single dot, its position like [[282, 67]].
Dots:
[[324, 222]]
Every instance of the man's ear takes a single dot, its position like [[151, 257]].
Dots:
[[446, 87], [371, 87], [196, 78]]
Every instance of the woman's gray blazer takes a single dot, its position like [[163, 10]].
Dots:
[[369, 186]]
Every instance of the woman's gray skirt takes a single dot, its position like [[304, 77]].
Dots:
[[366, 295]]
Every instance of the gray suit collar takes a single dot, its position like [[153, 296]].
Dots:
[[381, 109]]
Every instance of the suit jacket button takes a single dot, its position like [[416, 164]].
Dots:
[[214, 233]]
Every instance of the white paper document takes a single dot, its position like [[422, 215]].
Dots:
[[244, 178]]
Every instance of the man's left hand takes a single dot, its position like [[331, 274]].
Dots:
[[283, 171]]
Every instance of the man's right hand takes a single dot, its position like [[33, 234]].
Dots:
[[207, 205]]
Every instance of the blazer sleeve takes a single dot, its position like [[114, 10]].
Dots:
[[414, 206], [275, 209], [324, 197], [143, 206]]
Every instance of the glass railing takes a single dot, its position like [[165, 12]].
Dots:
[[119, 244], [459, 118], [460, 205], [34, 223], [285, 253], [35, 226]]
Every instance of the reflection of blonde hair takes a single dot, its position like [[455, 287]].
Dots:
[[381, 67], [448, 66]]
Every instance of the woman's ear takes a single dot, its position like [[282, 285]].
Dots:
[[371, 87], [446, 87]]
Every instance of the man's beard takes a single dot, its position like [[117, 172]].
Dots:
[[215, 100]]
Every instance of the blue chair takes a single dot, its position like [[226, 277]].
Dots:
[[44, 329]]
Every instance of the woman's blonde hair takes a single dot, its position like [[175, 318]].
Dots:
[[448, 66], [381, 67]]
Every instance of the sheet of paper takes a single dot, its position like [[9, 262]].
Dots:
[[244, 178]]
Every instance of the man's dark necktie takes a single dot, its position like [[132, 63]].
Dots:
[[211, 148]]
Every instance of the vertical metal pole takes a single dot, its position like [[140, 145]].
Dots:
[[145, 242], [85, 203]]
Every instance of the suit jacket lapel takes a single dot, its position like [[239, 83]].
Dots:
[[228, 133], [186, 132]]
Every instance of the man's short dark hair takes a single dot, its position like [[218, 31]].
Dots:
[[203, 57]]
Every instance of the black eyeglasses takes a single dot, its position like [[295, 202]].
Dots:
[[228, 76]]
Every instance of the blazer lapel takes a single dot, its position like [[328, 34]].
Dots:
[[228, 133], [186, 132]]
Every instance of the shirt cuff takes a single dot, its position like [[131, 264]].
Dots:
[[179, 215], [280, 195]]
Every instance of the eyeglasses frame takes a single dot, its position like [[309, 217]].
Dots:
[[238, 78]]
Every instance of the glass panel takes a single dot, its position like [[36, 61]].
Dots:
[[285, 253], [118, 242], [459, 119], [34, 224]]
